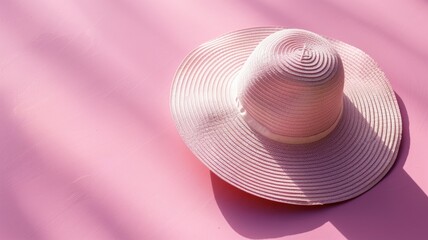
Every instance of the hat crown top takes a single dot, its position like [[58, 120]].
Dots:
[[290, 89]]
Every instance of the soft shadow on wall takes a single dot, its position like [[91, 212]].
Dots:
[[396, 208]]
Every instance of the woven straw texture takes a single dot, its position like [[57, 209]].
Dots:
[[346, 163]]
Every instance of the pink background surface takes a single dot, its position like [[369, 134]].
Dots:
[[88, 149]]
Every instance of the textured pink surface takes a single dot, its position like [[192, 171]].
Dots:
[[88, 149], [291, 109], [222, 125]]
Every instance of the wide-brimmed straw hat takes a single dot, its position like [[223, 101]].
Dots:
[[288, 115]]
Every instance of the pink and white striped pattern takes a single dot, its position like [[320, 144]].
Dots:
[[351, 159], [291, 87]]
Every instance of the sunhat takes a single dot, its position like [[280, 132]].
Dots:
[[287, 115]]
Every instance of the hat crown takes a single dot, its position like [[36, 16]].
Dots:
[[290, 89]]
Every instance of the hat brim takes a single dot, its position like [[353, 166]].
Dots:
[[341, 166]]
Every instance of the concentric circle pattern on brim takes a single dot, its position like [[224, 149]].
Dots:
[[341, 166]]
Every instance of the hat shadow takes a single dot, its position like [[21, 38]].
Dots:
[[395, 208]]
